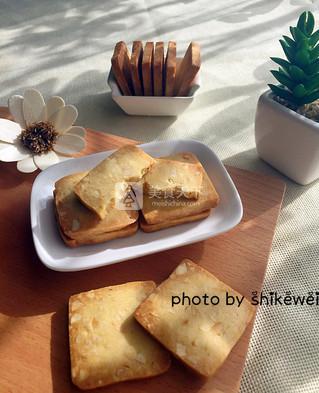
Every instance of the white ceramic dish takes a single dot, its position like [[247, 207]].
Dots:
[[152, 106], [57, 256]]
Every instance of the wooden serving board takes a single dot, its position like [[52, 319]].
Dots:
[[33, 300]]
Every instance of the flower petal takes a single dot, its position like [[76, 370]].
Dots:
[[69, 144], [33, 106], [64, 158], [3, 145], [9, 153], [15, 104], [76, 130], [53, 105], [27, 165], [9, 130], [64, 118], [45, 160]]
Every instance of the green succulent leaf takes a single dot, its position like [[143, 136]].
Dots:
[[309, 98], [299, 91], [310, 23], [282, 62], [292, 32], [284, 72], [289, 52], [302, 58], [314, 54], [314, 38], [300, 38], [289, 41], [312, 69], [283, 79], [296, 73], [312, 84], [282, 93], [302, 21]]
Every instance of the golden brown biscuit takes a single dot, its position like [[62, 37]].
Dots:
[[170, 69], [98, 238], [187, 70], [171, 178], [158, 65], [172, 223], [107, 345], [136, 67], [97, 189], [156, 210], [121, 68], [197, 332], [147, 68], [77, 221]]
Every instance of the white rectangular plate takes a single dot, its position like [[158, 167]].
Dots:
[[57, 256]]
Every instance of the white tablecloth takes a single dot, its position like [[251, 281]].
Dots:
[[64, 47]]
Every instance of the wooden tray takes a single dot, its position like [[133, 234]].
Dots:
[[33, 300]]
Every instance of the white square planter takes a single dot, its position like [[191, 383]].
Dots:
[[286, 140]]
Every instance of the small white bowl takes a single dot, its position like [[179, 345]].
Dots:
[[152, 106]]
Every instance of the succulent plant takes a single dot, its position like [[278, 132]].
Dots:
[[298, 75]]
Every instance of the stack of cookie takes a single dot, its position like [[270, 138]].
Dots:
[[84, 202], [149, 72], [91, 207], [79, 225], [177, 190], [128, 331]]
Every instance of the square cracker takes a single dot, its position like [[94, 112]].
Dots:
[[136, 67], [172, 223], [121, 68], [77, 221], [97, 189], [158, 66], [201, 336], [147, 68], [174, 178], [187, 70], [156, 210], [170, 69], [107, 345]]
